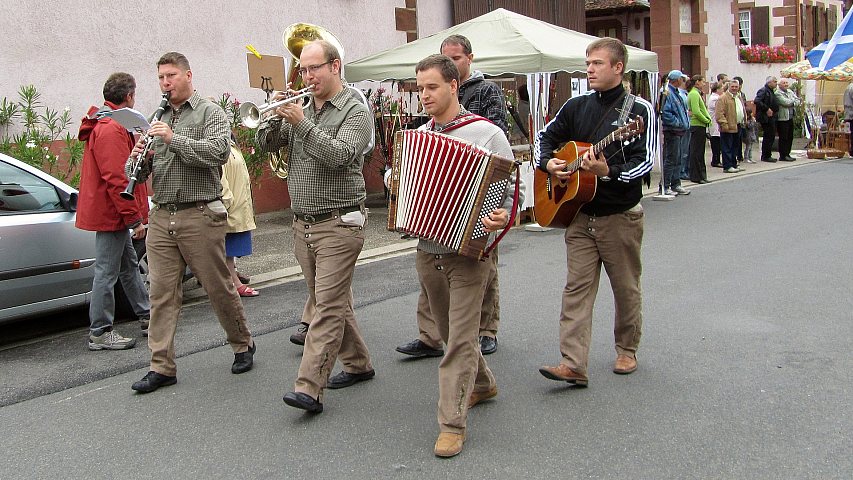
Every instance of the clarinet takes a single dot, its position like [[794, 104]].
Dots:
[[140, 159]]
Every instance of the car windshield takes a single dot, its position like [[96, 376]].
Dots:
[[22, 192]]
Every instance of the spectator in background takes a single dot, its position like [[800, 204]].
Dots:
[[699, 122], [766, 108], [684, 169], [750, 136], [717, 89], [741, 128], [788, 101], [675, 126], [100, 208], [237, 197], [848, 113], [729, 113]]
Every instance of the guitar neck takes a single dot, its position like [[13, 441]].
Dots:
[[598, 147]]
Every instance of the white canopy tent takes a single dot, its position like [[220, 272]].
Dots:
[[504, 42]]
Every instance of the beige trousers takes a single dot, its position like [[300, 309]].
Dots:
[[454, 287], [327, 252], [613, 241], [194, 237], [490, 312]]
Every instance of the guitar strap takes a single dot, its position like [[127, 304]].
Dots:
[[601, 120]]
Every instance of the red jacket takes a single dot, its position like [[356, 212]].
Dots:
[[100, 207]]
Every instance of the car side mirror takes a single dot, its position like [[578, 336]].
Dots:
[[68, 201]]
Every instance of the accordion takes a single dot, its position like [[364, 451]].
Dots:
[[441, 188]]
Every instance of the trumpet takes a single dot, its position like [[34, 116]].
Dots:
[[251, 114], [140, 159]]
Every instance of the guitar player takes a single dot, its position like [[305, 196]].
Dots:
[[608, 229]]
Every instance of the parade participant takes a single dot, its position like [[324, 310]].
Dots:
[[609, 229], [102, 209], [187, 225], [326, 142], [484, 98], [454, 285]]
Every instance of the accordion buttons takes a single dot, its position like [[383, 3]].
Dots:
[[307, 235], [439, 267]]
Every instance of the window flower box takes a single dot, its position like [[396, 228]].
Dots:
[[766, 54]]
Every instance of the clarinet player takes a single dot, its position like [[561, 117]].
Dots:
[[187, 224]]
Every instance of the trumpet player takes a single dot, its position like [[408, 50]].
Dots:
[[187, 224], [327, 193]]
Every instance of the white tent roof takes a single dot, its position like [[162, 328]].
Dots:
[[504, 42]]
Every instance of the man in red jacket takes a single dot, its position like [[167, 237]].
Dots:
[[101, 209]]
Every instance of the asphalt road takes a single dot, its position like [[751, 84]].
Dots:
[[744, 367]]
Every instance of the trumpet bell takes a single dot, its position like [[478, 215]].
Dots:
[[250, 115]]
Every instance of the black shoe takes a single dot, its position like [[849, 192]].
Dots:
[[788, 158], [303, 401], [769, 160], [417, 348], [243, 361], [703, 182], [299, 337], [243, 278], [346, 379], [488, 345], [718, 165], [152, 381]]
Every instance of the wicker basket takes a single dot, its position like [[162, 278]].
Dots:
[[822, 153]]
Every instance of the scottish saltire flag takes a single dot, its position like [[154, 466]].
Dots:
[[837, 49]]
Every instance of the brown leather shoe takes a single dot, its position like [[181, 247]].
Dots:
[[448, 444], [564, 374], [477, 397], [625, 365]]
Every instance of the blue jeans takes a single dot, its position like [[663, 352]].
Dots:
[[684, 172], [729, 142], [115, 259], [672, 146]]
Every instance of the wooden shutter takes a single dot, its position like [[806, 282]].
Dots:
[[832, 20], [760, 17]]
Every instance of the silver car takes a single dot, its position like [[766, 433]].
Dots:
[[46, 264]]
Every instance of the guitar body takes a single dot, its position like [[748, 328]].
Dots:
[[556, 203]]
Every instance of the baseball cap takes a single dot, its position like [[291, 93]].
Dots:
[[675, 75]]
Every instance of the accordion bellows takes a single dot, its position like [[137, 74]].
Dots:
[[441, 188]]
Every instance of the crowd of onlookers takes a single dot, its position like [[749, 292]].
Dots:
[[724, 115]]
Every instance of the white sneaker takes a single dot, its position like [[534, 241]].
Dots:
[[670, 192], [732, 170], [110, 341]]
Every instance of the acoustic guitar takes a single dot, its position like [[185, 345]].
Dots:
[[557, 202]]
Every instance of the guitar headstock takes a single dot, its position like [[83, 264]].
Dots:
[[631, 129]]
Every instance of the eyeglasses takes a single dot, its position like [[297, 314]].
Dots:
[[312, 68]]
